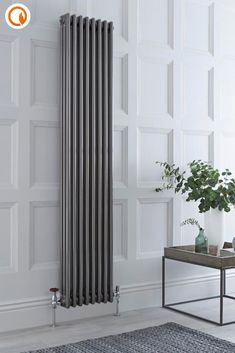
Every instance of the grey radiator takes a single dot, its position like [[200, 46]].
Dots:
[[86, 167]]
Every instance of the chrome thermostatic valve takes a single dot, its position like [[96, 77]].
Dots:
[[117, 296], [55, 301]]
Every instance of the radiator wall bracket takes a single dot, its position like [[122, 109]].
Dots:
[[117, 296]]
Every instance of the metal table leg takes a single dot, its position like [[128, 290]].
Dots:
[[222, 293], [163, 281]]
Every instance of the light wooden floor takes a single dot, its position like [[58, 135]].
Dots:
[[21, 341]]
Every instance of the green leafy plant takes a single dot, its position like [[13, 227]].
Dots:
[[192, 222], [205, 184]]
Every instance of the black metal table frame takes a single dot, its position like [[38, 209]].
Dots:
[[221, 296]]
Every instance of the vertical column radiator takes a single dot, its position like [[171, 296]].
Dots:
[[86, 167]]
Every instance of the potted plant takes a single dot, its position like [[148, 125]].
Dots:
[[213, 190]]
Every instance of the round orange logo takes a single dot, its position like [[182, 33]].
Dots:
[[17, 16]]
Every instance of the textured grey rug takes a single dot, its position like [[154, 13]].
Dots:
[[168, 338]]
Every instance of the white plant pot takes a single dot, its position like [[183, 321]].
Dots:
[[214, 227]]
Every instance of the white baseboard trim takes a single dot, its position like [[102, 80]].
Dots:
[[33, 312], [23, 304], [181, 282]]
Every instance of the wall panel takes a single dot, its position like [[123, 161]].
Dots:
[[159, 29], [44, 152], [227, 28], [227, 144], [120, 157], [9, 70], [198, 94], [155, 78], [45, 74], [121, 83], [120, 222], [197, 145], [9, 237], [198, 15], [8, 153], [44, 230], [226, 91], [153, 145], [154, 231]]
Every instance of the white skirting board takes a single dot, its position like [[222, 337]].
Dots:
[[35, 312]]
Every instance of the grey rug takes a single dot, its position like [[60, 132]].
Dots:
[[168, 338]]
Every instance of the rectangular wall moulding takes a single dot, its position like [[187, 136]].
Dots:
[[9, 237], [198, 26], [8, 153], [197, 145], [154, 227], [9, 82], [159, 29], [120, 229], [197, 92], [227, 147], [227, 30], [226, 90], [120, 84], [44, 154], [153, 145], [120, 157], [44, 74], [44, 230], [155, 88]]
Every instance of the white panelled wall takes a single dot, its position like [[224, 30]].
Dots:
[[174, 100]]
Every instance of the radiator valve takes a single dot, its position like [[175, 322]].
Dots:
[[117, 298], [55, 301]]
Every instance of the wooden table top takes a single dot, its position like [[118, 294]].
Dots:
[[187, 254]]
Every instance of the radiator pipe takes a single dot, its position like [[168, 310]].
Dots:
[[55, 301], [117, 296]]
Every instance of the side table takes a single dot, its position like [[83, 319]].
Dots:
[[188, 255]]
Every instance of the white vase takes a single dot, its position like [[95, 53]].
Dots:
[[214, 227]]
